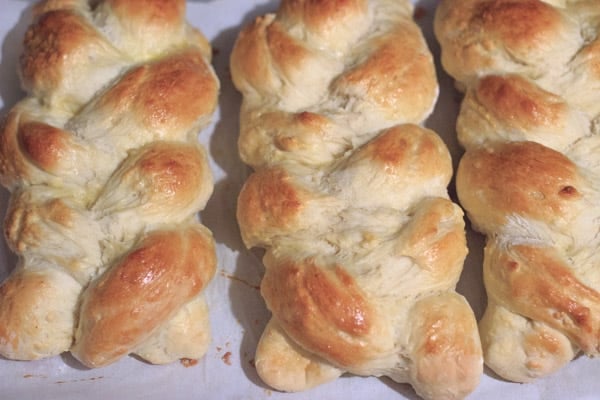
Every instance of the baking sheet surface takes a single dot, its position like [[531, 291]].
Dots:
[[237, 311]]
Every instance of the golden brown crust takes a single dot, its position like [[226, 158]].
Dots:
[[162, 20], [349, 199], [321, 19], [38, 144], [439, 251], [276, 201], [161, 274], [482, 37], [285, 366], [520, 25], [405, 147], [511, 107], [323, 309], [31, 299], [43, 144], [439, 324], [166, 95], [527, 178], [160, 179], [397, 76], [303, 138], [145, 14], [513, 98], [375, 66], [523, 178], [20, 226], [51, 45], [102, 156], [521, 349], [267, 199], [159, 100], [536, 283]]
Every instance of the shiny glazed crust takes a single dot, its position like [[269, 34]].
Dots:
[[349, 199], [106, 178], [528, 179]]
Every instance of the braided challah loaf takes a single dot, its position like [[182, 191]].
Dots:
[[529, 177], [363, 248], [106, 178]]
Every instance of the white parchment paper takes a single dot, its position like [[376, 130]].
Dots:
[[237, 311]]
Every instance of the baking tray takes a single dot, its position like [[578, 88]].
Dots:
[[237, 311]]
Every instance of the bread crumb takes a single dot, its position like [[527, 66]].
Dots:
[[227, 358], [188, 362]]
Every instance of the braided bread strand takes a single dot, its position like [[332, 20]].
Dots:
[[528, 179], [349, 200], [106, 179]]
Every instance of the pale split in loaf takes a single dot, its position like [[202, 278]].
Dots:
[[529, 177], [363, 247], [106, 178]]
